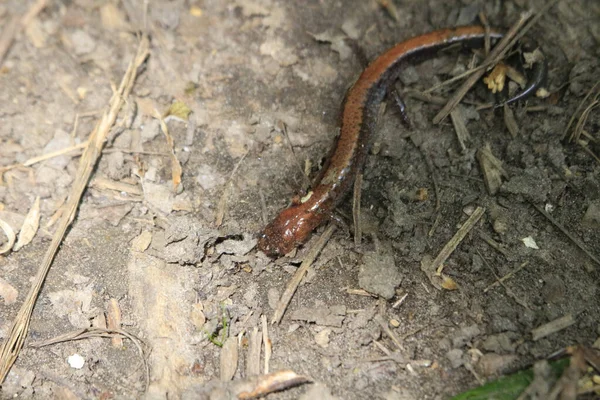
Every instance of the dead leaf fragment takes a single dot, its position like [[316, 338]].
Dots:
[[176, 169], [229, 359], [142, 242], [159, 197], [112, 17], [113, 317], [530, 242], [274, 382], [35, 33], [448, 283], [460, 127], [10, 234], [510, 121], [8, 292], [491, 168], [322, 338], [197, 316], [30, 225], [253, 357], [178, 109]]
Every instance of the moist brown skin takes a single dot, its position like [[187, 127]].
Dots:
[[293, 225]]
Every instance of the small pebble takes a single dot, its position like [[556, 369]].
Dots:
[[76, 361]]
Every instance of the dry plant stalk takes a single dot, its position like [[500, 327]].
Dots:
[[14, 25], [267, 342], [176, 169], [222, 207], [277, 381], [12, 345], [568, 234], [7, 35], [458, 237], [460, 127], [595, 92], [253, 355], [293, 284], [516, 32], [552, 327], [87, 333], [356, 210], [495, 55]]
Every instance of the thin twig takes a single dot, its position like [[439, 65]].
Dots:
[[493, 244], [356, 210], [283, 126], [567, 233], [7, 36], [457, 238], [87, 333], [505, 277], [293, 284], [491, 59], [266, 342], [584, 117], [386, 329], [15, 24], [434, 181], [222, 207], [501, 282], [33, 11], [579, 107], [496, 54], [590, 152]]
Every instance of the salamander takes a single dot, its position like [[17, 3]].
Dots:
[[293, 225]]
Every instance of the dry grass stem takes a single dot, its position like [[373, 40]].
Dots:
[[356, 210], [494, 56], [501, 282], [253, 356], [457, 238], [552, 327], [494, 245], [594, 91], [567, 233], [505, 277], [516, 32], [87, 333], [15, 24], [222, 206], [460, 127], [267, 343], [176, 169], [386, 329], [293, 284], [7, 36]]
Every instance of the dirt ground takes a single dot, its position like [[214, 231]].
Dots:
[[258, 76]]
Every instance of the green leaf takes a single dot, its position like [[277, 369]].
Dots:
[[511, 386]]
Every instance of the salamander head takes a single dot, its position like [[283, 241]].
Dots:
[[289, 229]]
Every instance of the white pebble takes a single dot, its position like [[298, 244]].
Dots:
[[76, 361]]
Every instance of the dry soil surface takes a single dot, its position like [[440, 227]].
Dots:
[[265, 80]]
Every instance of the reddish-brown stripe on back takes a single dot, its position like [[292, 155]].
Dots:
[[293, 225]]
